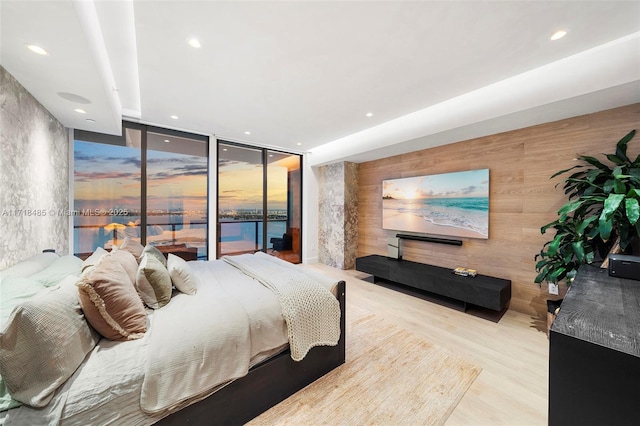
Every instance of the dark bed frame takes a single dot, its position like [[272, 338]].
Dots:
[[265, 385]]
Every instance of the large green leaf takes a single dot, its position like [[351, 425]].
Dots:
[[584, 224], [578, 250], [619, 186], [557, 274], [605, 227], [621, 146], [632, 209], [615, 159], [608, 186], [565, 171], [569, 207], [553, 247], [611, 204], [594, 162]]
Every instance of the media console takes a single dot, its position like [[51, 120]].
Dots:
[[481, 290]]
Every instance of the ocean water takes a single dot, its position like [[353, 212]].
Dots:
[[462, 213], [89, 231], [191, 230]]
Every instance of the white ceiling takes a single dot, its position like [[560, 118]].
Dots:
[[301, 75]]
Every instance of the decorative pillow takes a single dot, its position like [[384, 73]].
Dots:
[[60, 269], [92, 260], [30, 266], [181, 274], [133, 247], [153, 282], [110, 301], [127, 261], [149, 249], [43, 343]]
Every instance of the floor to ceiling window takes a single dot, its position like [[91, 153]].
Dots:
[[259, 201], [149, 184]]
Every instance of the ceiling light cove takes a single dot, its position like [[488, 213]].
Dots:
[[558, 35], [90, 120], [36, 49], [194, 42]]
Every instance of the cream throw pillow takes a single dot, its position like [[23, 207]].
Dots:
[[43, 343], [92, 260], [153, 282], [110, 302], [181, 275], [152, 250]]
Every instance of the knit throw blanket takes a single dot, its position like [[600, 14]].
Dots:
[[311, 312]]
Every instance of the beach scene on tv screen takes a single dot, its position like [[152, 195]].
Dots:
[[451, 204]]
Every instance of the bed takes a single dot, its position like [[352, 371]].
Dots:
[[186, 366]]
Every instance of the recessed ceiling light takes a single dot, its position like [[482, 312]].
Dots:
[[36, 49], [369, 114], [299, 143], [194, 42], [224, 149], [558, 35], [175, 117], [80, 111], [167, 140], [247, 133], [90, 120]]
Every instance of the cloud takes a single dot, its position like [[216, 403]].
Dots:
[[469, 189], [91, 176]]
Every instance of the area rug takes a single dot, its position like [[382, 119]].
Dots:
[[390, 377]]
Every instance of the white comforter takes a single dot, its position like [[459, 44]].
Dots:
[[222, 328], [135, 383]]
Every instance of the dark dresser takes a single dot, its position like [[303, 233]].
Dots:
[[594, 352]]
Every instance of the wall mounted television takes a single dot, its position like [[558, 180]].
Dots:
[[449, 204]]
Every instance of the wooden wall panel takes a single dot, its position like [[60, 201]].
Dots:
[[522, 197]]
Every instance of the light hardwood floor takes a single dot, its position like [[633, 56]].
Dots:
[[512, 388]]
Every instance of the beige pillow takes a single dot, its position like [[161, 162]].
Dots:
[[133, 247], [110, 301], [43, 343], [149, 249], [181, 274], [153, 282], [128, 262]]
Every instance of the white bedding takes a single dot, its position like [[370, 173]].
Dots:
[[91, 395], [311, 312]]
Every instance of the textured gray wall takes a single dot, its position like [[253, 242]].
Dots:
[[34, 176], [338, 215]]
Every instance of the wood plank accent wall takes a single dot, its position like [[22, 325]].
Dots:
[[522, 197]]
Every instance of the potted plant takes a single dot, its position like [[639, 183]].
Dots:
[[601, 216]]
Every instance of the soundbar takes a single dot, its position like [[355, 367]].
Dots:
[[429, 239]]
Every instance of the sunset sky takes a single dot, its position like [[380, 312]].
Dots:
[[474, 183], [240, 186], [108, 176]]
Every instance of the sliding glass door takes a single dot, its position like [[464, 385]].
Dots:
[[259, 201], [149, 184]]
